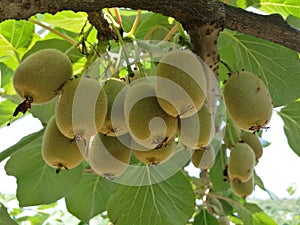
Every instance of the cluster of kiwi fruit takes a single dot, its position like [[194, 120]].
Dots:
[[110, 122], [243, 158], [119, 118], [249, 106]]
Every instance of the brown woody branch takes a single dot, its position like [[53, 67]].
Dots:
[[272, 27], [188, 12]]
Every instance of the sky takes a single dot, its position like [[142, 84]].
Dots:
[[279, 166]]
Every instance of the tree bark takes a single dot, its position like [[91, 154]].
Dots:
[[188, 12]]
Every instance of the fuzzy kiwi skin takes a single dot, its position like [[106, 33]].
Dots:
[[204, 158], [197, 131], [79, 100], [241, 162], [182, 68], [158, 155], [57, 150], [247, 101], [41, 75], [242, 189], [115, 98], [252, 140], [223, 220], [109, 156], [147, 123]]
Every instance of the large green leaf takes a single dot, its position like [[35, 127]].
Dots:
[[251, 214], [37, 182], [15, 37], [216, 173], [243, 3], [89, 197], [170, 202], [68, 20], [293, 21], [290, 115], [278, 66], [6, 75], [43, 111], [6, 111], [5, 219], [59, 44], [148, 21], [283, 7], [205, 218]]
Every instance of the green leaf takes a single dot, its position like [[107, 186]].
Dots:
[[6, 75], [290, 115], [293, 21], [278, 66], [259, 182], [283, 7], [89, 197], [67, 20], [59, 44], [5, 219], [148, 21], [243, 3], [43, 111], [216, 172], [205, 218], [25, 142], [7, 109], [170, 202], [259, 216], [15, 37], [251, 214], [37, 182]]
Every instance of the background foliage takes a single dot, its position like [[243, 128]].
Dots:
[[177, 200]]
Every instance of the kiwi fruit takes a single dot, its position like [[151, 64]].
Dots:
[[242, 189], [252, 140], [158, 155], [197, 131], [247, 101], [40, 76], [204, 158], [81, 108], [147, 123], [181, 84], [223, 220], [57, 150], [109, 156], [241, 162], [114, 124]]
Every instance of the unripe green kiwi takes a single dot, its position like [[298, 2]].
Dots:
[[147, 123], [81, 108], [158, 155], [248, 101], [57, 150], [114, 124], [252, 140], [40, 76], [110, 156], [204, 158], [223, 220], [241, 162], [242, 189], [197, 131], [181, 84]]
